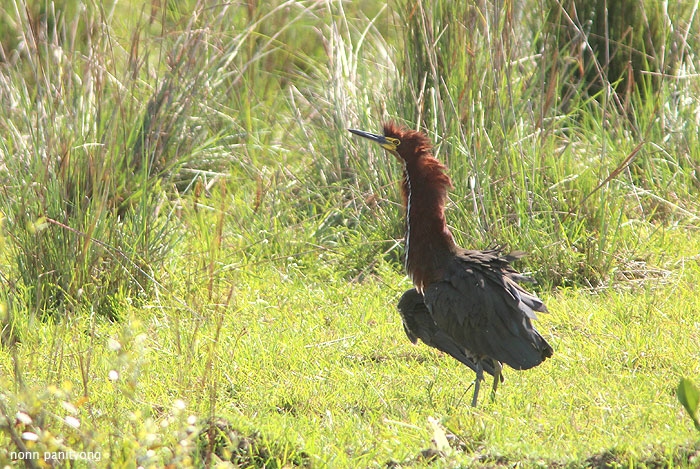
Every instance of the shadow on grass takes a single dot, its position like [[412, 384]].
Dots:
[[220, 440], [682, 457]]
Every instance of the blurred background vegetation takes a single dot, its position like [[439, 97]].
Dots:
[[562, 123]]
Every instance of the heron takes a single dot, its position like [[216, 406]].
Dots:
[[466, 303]]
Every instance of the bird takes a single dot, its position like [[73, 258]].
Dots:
[[466, 303], [418, 324]]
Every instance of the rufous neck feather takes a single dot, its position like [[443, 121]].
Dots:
[[428, 240]]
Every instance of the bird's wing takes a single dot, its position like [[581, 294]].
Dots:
[[410, 309], [419, 324], [485, 311]]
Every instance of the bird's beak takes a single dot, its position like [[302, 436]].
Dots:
[[386, 143]]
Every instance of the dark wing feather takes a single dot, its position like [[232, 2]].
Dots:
[[418, 324], [482, 308]]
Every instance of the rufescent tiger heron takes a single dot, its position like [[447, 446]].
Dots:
[[466, 303]]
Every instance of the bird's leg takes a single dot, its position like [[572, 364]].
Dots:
[[477, 382], [498, 369]]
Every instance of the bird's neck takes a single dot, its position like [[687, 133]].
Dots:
[[429, 243]]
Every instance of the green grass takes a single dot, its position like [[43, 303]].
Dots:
[[323, 366], [199, 264]]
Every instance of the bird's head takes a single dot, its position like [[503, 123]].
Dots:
[[407, 145]]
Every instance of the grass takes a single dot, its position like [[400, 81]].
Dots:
[[200, 266], [323, 367]]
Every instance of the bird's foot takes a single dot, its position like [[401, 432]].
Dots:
[[498, 370], [477, 381]]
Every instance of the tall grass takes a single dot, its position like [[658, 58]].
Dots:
[[534, 169], [102, 134], [81, 147], [559, 175]]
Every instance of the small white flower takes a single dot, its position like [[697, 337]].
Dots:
[[70, 408], [72, 421], [24, 418], [30, 436]]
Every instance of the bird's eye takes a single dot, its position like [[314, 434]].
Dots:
[[390, 143]]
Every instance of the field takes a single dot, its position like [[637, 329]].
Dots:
[[199, 265]]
